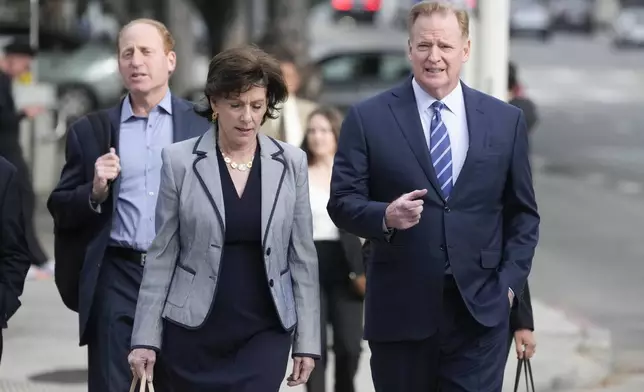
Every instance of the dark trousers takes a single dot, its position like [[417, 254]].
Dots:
[[343, 310], [28, 205], [111, 321], [463, 356]]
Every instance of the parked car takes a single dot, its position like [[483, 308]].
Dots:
[[86, 73], [531, 18], [628, 29], [355, 63], [574, 15]]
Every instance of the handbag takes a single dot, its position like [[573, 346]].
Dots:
[[524, 364], [135, 380]]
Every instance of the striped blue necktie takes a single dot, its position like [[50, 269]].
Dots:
[[441, 150]]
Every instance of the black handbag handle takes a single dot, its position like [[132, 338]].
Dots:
[[529, 379]]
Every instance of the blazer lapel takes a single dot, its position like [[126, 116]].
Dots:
[[206, 168], [477, 126], [273, 172], [405, 111]]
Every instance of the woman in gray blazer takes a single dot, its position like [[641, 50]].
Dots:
[[231, 279]]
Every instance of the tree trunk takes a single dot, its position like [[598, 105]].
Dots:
[[216, 15], [180, 24], [288, 26]]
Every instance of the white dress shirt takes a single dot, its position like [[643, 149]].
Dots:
[[293, 131], [323, 227], [454, 119]]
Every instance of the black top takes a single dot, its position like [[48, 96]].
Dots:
[[243, 303], [9, 118]]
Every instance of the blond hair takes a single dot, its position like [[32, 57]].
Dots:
[[429, 7], [168, 40]]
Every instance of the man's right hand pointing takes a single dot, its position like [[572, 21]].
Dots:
[[405, 211]]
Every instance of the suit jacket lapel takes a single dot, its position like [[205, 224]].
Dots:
[[477, 126], [206, 168], [273, 171], [405, 111]]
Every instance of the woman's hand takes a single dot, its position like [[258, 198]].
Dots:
[[142, 362], [302, 368]]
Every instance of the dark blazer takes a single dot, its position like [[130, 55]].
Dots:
[[353, 251], [521, 316], [69, 202], [14, 255], [9, 121], [488, 230]]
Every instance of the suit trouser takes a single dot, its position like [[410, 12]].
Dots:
[[343, 309], [463, 356], [111, 324]]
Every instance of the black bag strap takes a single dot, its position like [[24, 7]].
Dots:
[[526, 366]]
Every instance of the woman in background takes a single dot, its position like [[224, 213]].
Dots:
[[342, 279]]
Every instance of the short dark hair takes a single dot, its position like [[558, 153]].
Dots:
[[237, 70], [282, 54], [20, 47], [333, 115]]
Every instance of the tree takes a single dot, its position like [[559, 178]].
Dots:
[[216, 15], [287, 26]]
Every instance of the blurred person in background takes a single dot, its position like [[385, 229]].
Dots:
[[521, 319], [113, 196], [449, 208], [14, 254], [342, 279], [16, 62], [522, 327], [231, 281], [289, 127], [518, 98]]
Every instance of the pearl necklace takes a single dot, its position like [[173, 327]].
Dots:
[[238, 166]]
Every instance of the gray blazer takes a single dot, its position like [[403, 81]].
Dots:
[[182, 266]]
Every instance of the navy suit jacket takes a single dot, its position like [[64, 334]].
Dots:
[[488, 230], [69, 201]]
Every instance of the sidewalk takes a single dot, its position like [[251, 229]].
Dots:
[[41, 350], [41, 345]]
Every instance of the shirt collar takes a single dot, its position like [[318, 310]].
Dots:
[[127, 112], [453, 101]]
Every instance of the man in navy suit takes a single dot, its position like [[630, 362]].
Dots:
[[114, 194], [436, 175]]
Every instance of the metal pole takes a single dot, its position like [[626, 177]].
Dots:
[[34, 22], [493, 46]]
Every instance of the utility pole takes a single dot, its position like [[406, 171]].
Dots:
[[493, 41]]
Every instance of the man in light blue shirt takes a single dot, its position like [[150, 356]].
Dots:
[[111, 197]]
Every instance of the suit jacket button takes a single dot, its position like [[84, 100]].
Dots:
[[447, 209], [443, 247], [271, 283], [268, 252]]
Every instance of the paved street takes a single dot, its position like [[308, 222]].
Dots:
[[590, 145], [590, 98]]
